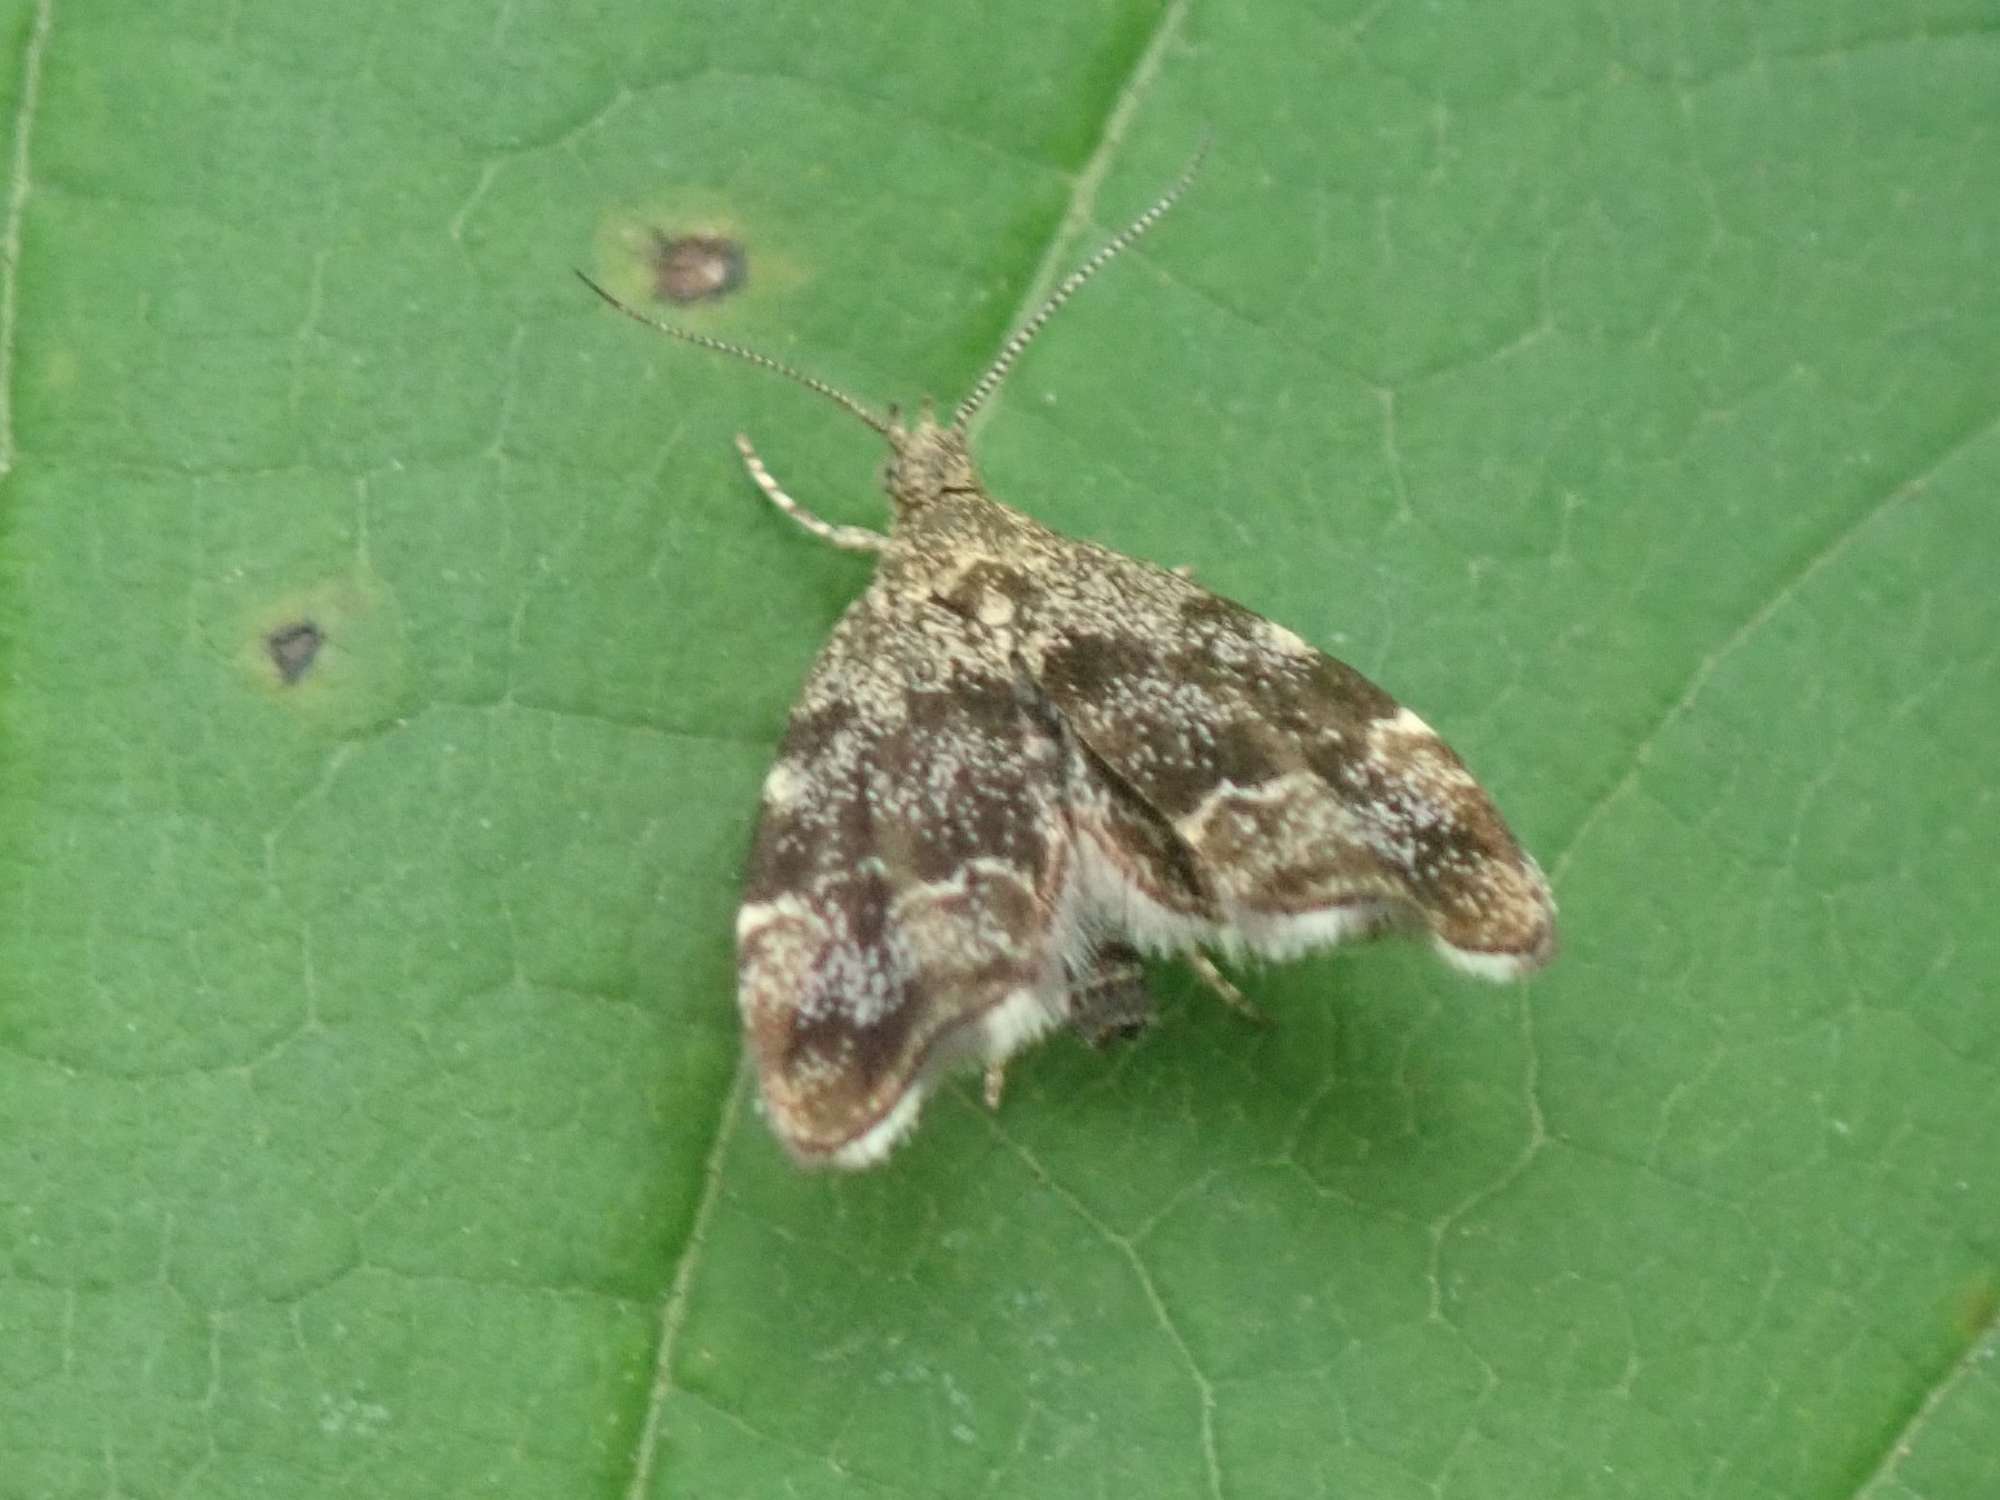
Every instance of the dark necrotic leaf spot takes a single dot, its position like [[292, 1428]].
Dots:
[[697, 267], [292, 648]]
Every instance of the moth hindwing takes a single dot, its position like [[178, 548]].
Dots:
[[1022, 759]]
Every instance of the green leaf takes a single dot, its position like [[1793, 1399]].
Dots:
[[393, 648]]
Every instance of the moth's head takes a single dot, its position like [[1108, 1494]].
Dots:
[[925, 460]]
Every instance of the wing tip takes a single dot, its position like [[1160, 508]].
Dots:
[[799, 1118], [1507, 964]]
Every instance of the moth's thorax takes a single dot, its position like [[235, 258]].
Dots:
[[960, 548], [926, 463]]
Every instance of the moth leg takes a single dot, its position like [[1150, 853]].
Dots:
[[1108, 1000], [994, 1083], [847, 538], [1206, 971]]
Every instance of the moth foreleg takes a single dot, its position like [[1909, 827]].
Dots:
[[847, 538], [1206, 971]]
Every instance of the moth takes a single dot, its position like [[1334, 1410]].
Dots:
[[1021, 761]]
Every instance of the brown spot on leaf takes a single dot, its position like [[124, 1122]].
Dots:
[[293, 649], [1978, 1307], [697, 267]]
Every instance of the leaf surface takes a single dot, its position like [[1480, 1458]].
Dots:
[[393, 650]]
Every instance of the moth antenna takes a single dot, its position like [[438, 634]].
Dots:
[[1024, 335], [703, 341]]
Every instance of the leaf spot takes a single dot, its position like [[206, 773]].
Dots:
[[697, 267], [293, 648]]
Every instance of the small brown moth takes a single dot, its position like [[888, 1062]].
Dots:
[[1021, 760]]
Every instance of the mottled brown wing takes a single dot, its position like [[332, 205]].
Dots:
[[905, 904], [1313, 806]]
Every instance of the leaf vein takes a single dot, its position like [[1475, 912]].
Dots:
[[16, 214], [674, 1310], [1082, 210], [1984, 1346], [1828, 553], [1128, 1250]]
